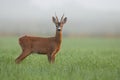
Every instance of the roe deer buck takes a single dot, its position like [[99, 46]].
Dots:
[[48, 46]]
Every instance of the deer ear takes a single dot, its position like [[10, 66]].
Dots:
[[64, 20], [53, 19]]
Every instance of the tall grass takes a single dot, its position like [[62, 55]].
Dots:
[[78, 59]]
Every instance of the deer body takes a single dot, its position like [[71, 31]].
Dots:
[[47, 46]]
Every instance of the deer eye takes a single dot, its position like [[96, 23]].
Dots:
[[56, 25]]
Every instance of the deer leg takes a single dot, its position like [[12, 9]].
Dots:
[[49, 58], [24, 54], [53, 56], [53, 59]]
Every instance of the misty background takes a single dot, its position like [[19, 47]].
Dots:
[[85, 17]]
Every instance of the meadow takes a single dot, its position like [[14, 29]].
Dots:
[[78, 59]]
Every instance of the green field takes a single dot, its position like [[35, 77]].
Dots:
[[78, 59]]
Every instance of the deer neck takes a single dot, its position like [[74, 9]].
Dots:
[[58, 37]]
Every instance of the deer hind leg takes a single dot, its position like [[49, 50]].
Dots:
[[24, 54]]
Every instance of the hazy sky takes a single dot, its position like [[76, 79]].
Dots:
[[90, 4], [83, 15], [30, 7]]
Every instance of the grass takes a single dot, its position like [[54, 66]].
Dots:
[[79, 59]]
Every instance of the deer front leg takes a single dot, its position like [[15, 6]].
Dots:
[[24, 54], [53, 59], [49, 58], [53, 55]]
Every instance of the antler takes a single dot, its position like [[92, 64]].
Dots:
[[62, 18], [56, 18]]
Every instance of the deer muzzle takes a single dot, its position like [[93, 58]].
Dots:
[[59, 29]]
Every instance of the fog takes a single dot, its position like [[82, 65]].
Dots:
[[91, 17]]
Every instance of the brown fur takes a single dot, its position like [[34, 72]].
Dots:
[[48, 46]]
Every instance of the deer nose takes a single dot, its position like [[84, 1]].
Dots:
[[59, 29]]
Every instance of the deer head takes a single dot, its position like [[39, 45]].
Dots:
[[59, 24]]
